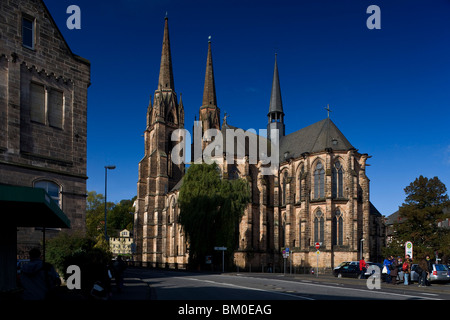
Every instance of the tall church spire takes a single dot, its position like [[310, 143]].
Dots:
[[209, 91], [276, 114], [209, 112], [165, 71]]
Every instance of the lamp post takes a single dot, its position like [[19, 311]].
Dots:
[[360, 258], [106, 179]]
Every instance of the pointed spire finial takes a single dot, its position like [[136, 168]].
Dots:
[[165, 72]]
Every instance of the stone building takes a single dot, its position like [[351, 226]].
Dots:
[[121, 245], [319, 193], [43, 113]]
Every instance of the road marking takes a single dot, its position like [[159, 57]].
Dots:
[[249, 288], [345, 288]]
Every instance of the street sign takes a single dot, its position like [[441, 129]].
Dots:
[[223, 249], [409, 249], [317, 245], [317, 252]]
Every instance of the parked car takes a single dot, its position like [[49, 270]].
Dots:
[[440, 273], [347, 270]]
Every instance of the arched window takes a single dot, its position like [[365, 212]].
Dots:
[[337, 180], [285, 178], [51, 188], [338, 228], [319, 181], [170, 118], [300, 176], [319, 225]]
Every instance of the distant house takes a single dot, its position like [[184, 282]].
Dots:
[[395, 218], [121, 245]]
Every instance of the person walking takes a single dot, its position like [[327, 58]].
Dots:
[[394, 270], [119, 268], [406, 270], [423, 272], [429, 269], [362, 268], [38, 278], [387, 270]]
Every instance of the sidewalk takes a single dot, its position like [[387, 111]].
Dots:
[[133, 289]]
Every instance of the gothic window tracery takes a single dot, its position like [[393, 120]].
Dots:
[[338, 228], [319, 181], [319, 225], [337, 180]]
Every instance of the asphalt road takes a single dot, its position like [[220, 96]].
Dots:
[[187, 286]]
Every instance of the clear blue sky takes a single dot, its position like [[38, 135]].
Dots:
[[389, 89]]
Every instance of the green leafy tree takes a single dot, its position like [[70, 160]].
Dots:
[[419, 215], [95, 213], [63, 245], [121, 215], [210, 210]]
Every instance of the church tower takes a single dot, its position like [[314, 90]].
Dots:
[[276, 114], [157, 173], [209, 112]]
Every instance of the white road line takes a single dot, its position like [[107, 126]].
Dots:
[[249, 288], [345, 288]]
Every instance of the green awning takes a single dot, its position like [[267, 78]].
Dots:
[[30, 207]]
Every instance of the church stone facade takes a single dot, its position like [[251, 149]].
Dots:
[[319, 194]]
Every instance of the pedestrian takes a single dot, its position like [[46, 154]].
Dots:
[[387, 270], [422, 269], [406, 270], [394, 270], [362, 268], [429, 269], [38, 278], [119, 268]]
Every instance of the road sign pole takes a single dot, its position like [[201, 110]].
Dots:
[[223, 261], [317, 266]]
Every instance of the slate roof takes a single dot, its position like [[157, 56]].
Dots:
[[314, 138]]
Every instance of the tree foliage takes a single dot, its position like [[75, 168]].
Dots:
[[119, 216], [211, 209], [426, 200]]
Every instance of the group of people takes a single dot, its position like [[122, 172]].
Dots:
[[393, 266]]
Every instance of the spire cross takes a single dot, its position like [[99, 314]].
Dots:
[[328, 109]]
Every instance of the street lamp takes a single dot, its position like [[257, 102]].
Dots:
[[360, 258], [106, 179]]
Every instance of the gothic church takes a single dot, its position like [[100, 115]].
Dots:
[[319, 194]]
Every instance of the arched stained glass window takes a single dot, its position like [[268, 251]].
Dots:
[[337, 181], [338, 228], [319, 225], [319, 181], [285, 178]]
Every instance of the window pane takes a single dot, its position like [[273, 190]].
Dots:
[[37, 106], [27, 33], [55, 108], [51, 188]]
